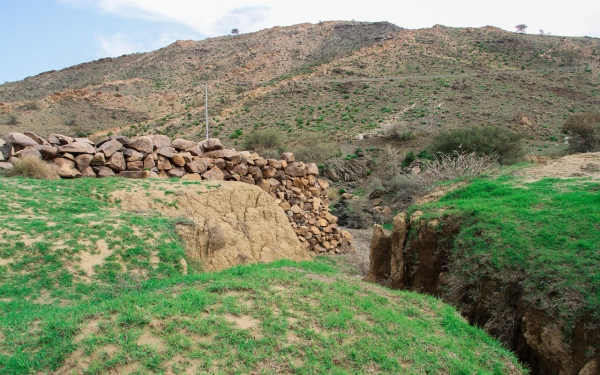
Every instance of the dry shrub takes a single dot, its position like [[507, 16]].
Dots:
[[503, 143], [313, 148], [408, 186], [333, 193], [263, 140], [33, 168], [399, 130], [450, 167], [359, 213], [216, 237], [585, 132]]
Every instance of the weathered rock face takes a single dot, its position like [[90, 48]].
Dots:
[[233, 224], [420, 262]]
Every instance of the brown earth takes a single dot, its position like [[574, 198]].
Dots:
[[578, 165], [222, 225]]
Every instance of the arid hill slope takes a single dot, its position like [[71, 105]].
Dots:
[[335, 78]]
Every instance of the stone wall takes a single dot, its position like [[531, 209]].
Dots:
[[294, 185]]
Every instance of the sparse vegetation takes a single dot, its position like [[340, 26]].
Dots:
[[33, 168], [263, 140], [584, 132], [502, 143]]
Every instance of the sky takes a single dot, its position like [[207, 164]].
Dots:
[[42, 35]]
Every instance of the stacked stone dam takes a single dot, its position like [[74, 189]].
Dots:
[[294, 185]]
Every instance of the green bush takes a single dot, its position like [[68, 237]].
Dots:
[[585, 132], [497, 141], [263, 139]]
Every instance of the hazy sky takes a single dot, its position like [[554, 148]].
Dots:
[[41, 35]]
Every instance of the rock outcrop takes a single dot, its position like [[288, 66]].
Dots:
[[416, 256], [233, 224], [293, 185]]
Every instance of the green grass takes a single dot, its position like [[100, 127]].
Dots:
[[544, 236], [140, 317]]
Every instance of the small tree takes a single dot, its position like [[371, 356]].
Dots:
[[521, 28], [235, 31]]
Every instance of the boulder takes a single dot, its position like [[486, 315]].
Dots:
[[211, 144], [132, 155], [6, 166], [288, 157], [295, 169], [241, 169], [274, 163], [166, 151], [6, 149], [268, 172], [150, 174], [121, 139], [192, 177], [163, 164], [103, 171], [84, 140], [161, 141], [199, 166], [109, 147], [149, 162], [135, 165], [66, 168], [98, 159], [37, 138], [83, 161], [312, 169], [233, 156], [48, 152], [19, 141], [131, 174], [77, 148], [142, 144], [214, 174], [117, 162], [176, 172], [178, 160], [183, 145], [29, 153], [59, 139], [88, 172]]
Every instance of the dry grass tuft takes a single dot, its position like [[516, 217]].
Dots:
[[33, 168]]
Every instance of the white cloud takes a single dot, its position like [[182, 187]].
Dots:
[[115, 45], [219, 17]]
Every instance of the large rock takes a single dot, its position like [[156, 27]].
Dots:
[[116, 162], [37, 138], [109, 147], [142, 144], [176, 172], [131, 174], [66, 168], [379, 255], [98, 159], [48, 152], [19, 141], [83, 161], [59, 139], [234, 224], [77, 148], [161, 141], [88, 172], [178, 160], [211, 144], [295, 169], [6, 166], [214, 174], [183, 145], [199, 166], [29, 153], [166, 151], [103, 171]]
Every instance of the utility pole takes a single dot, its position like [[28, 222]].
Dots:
[[206, 106]]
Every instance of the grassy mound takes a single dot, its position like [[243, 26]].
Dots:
[[135, 312], [543, 237]]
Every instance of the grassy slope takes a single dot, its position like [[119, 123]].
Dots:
[[281, 317], [542, 235]]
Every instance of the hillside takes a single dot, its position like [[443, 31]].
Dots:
[[88, 287], [336, 79]]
